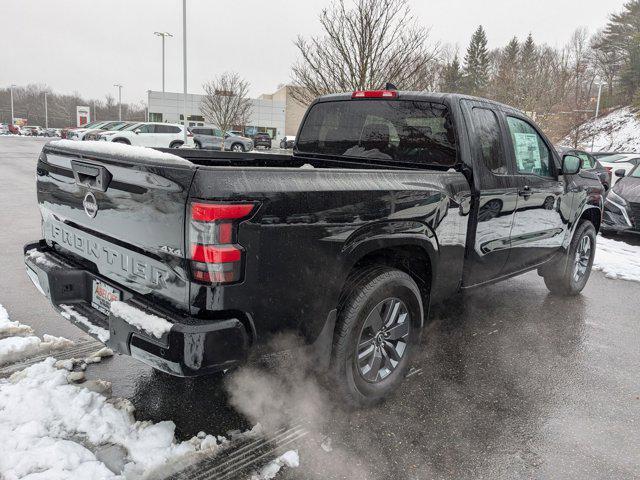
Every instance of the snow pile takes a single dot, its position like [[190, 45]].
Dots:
[[54, 429], [617, 259], [13, 349], [616, 131], [152, 324], [127, 152], [269, 471], [9, 328], [17, 341]]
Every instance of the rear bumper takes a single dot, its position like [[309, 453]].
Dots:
[[191, 347]]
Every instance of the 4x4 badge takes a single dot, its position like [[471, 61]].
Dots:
[[90, 205]]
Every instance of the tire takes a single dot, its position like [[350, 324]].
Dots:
[[237, 147], [175, 144], [197, 145], [571, 272], [122, 140], [372, 295]]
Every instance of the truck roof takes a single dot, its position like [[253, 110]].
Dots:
[[437, 97]]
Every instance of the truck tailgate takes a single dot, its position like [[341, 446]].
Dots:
[[122, 209]]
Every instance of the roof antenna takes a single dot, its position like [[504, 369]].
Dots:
[[390, 86]]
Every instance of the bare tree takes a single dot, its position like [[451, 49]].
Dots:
[[225, 103], [375, 42]]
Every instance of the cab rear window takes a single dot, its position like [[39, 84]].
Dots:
[[403, 131]]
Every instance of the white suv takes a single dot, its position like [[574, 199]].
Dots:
[[150, 134]]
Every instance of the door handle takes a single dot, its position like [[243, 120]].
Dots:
[[525, 192]]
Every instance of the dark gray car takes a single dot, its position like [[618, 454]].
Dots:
[[589, 164], [210, 138]]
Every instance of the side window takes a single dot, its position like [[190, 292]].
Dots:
[[530, 151], [487, 128], [147, 128]]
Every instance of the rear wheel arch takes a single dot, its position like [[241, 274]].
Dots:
[[411, 258], [122, 140]]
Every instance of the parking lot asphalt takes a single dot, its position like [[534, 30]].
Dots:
[[510, 381]]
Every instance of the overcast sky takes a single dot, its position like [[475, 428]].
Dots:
[[87, 46]]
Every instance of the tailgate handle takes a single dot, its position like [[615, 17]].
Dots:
[[90, 175]]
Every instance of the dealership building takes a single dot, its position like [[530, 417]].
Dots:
[[277, 114]]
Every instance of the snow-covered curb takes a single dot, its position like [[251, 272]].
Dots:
[[152, 324], [617, 260]]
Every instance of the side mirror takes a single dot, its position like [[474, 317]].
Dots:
[[620, 172], [136, 131], [571, 164]]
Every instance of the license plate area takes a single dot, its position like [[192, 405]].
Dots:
[[102, 295]]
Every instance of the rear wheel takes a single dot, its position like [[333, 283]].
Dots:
[[376, 332], [197, 145], [571, 273], [175, 145]]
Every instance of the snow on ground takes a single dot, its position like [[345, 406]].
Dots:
[[13, 349], [52, 428], [617, 131], [11, 329], [270, 470], [617, 259], [152, 324]]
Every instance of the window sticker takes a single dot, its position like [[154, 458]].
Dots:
[[527, 152]]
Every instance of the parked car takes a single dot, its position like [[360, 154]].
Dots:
[[625, 161], [4, 129], [51, 132], [622, 207], [31, 130], [93, 134], [590, 164], [211, 138], [345, 243], [150, 134], [14, 129], [80, 132], [262, 140], [287, 141]]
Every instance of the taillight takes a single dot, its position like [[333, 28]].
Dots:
[[375, 94], [215, 254]]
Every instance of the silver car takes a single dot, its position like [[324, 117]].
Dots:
[[211, 138]]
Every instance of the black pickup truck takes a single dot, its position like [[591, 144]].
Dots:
[[189, 260]]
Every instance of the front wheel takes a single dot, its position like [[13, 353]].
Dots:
[[175, 145], [571, 273], [237, 147], [377, 330]]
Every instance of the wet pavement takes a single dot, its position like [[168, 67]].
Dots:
[[510, 381]]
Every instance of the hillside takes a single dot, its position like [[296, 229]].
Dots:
[[619, 130]]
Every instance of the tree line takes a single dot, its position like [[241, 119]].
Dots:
[[367, 43], [29, 103]]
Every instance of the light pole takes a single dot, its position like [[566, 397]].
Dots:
[[119, 100], [593, 135], [163, 35], [46, 112], [184, 66], [12, 116]]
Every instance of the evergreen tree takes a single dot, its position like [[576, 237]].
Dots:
[[506, 78], [476, 63], [622, 34], [452, 77], [527, 74]]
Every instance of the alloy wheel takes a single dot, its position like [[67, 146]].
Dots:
[[383, 340], [582, 258]]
